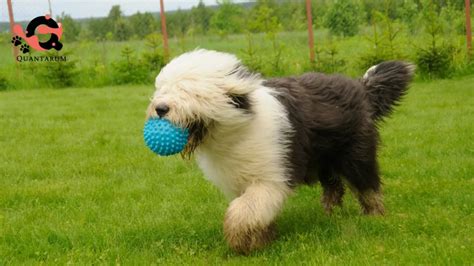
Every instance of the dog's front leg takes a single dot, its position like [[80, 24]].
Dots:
[[248, 223]]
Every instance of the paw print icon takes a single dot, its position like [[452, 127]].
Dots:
[[16, 40], [25, 48]]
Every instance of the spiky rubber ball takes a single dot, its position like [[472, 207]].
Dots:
[[164, 138]]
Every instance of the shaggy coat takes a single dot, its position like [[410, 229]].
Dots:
[[257, 139]]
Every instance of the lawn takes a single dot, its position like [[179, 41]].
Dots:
[[78, 185]]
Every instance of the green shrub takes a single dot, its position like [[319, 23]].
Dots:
[[94, 74], [263, 19], [342, 18], [129, 69], [453, 19], [57, 74], [277, 61], [384, 44], [251, 55], [260, 58], [327, 60], [4, 84], [153, 58], [467, 68], [435, 61], [227, 19], [408, 13]]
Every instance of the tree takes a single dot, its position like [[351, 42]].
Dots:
[[142, 24], [435, 60], [387, 7], [263, 19], [201, 17], [153, 58], [117, 24], [227, 19], [292, 15], [122, 30], [408, 13], [72, 28], [178, 22], [115, 13], [99, 28]]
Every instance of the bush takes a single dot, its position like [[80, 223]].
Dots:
[[342, 18], [465, 69], [94, 74], [435, 61], [263, 19], [277, 62], [327, 60], [129, 70], [57, 74], [384, 45], [227, 18], [269, 62], [153, 59], [453, 20], [251, 55], [4, 84]]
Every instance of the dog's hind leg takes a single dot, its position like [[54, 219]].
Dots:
[[248, 223], [371, 201], [333, 188], [363, 177]]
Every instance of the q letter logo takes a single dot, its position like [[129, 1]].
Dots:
[[39, 25]]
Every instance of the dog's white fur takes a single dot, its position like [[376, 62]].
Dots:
[[235, 157], [195, 85], [242, 154], [242, 135]]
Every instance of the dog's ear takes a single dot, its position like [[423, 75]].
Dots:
[[240, 101], [241, 81]]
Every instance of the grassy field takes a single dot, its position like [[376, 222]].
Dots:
[[78, 185]]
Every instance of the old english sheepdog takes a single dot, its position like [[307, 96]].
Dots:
[[256, 139]]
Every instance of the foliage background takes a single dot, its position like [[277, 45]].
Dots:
[[268, 35]]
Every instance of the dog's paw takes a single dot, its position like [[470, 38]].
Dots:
[[245, 239], [332, 198], [329, 204], [16, 40], [371, 203], [25, 48]]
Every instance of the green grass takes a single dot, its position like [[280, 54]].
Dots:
[[78, 185]]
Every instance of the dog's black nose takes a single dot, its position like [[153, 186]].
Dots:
[[161, 109]]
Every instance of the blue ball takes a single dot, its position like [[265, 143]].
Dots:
[[164, 138]]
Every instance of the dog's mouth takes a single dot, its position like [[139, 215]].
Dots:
[[197, 133]]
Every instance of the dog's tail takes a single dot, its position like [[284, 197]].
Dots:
[[386, 84]]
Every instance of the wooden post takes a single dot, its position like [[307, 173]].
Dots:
[[309, 16], [12, 23], [50, 10], [163, 31], [468, 29]]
